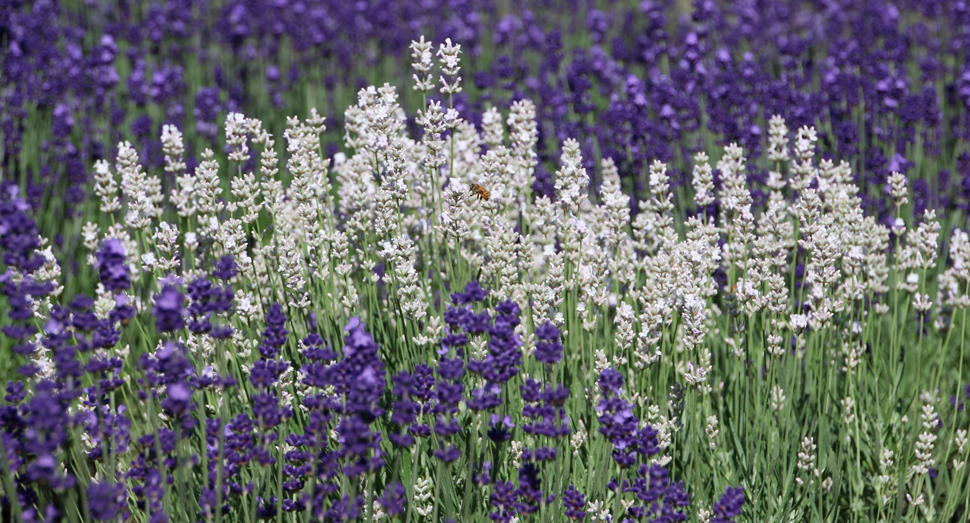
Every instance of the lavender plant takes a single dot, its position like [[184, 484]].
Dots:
[[353, 335]]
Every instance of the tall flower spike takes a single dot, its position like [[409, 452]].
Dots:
[[703, 181], [523, 132], [493, 133], [803, 170], [897, 187], [777, 139], [449, 66], [422, 64], [237, 133], [572, 180], [137, 186], [105, 187], [170, 310], [174, 149]]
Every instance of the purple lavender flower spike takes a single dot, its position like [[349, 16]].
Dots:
[[170, 310], [111, 266], [575, 503], [729, 506]]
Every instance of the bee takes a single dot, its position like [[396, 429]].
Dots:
[[480, 191]]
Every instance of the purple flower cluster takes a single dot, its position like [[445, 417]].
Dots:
[[545, 404], [549, 349], [661, 499], [171, 371], [116, 278], [19, 244], [35, 432], [405, 410], [473, 293], [358, 378], [168, 369], [170, 310], [504, 498], [530, 493], [575, 503], [106, 501], [209, 300], [19, 239], [112, 268], [729, 506], [508, 500], [267, 371], [448, 395], [504, 357], [252, 439], [412, 393], [35, 425]]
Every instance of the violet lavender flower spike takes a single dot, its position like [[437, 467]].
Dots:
[[550, 350], [225, 268], [275, 333], [107, 501], [170, 310], [729, 506], [503, 499], [574, 503], [19, 240], [112, 267]]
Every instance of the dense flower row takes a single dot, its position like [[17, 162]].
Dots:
[[885, 84]]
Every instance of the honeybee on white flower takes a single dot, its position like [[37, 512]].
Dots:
[[479, 191]]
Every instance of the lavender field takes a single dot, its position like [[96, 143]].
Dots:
[[484, 261]]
